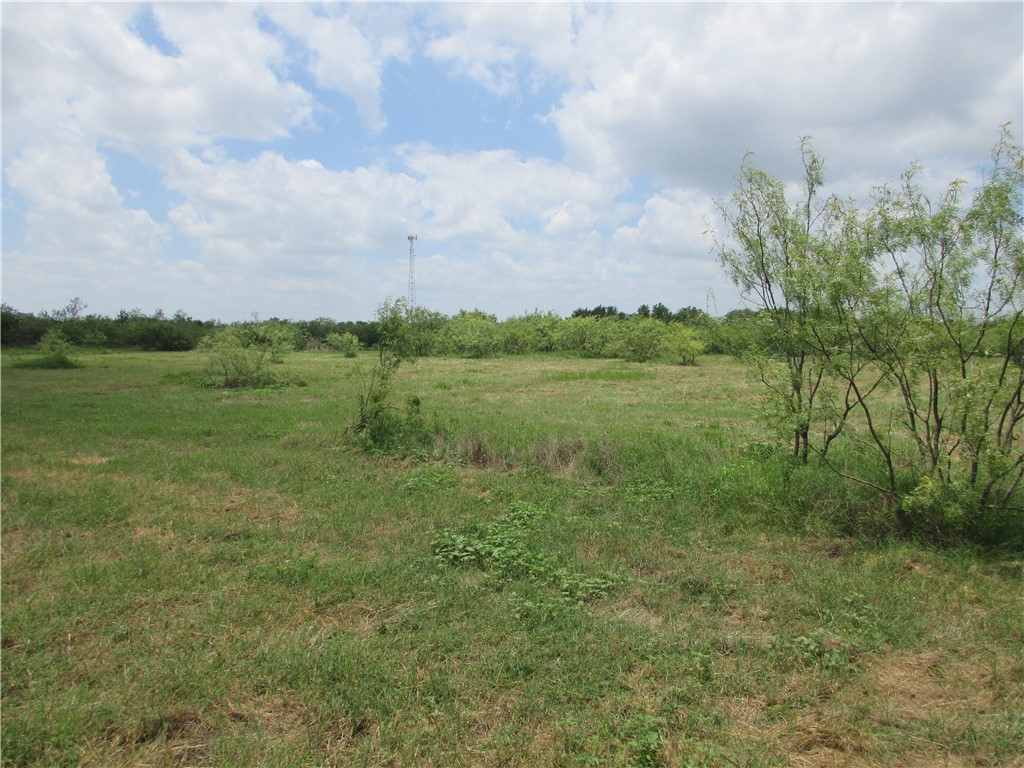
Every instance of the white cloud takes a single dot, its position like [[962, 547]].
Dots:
[[682, 93], [79, 238], [340, 56], [663, 97], [81, 68], [490, 42], [673, 221], [272, 214], [498, 198]]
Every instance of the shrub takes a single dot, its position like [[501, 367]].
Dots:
[[239, 353], [590, 336], [381, 426], [641, 339], [534, 332], [346, 343], [56, 352], [472, 334], [896, 327], [680, 345]]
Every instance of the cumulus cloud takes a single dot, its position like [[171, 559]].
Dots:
[[683, 93], [339, 55], [79, 238], [228, 107], [490, 42], [82, 69]]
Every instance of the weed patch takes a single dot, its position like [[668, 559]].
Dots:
[[504, 548]]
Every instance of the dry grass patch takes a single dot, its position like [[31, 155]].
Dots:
[[631, 608], [918, 685], [558, 455], [261, 506], [89, 460], [477, 450]]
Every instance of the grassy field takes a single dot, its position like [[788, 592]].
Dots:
[[597, 564]]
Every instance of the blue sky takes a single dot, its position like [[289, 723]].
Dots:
[[240, 158]]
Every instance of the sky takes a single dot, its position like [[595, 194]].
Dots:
[[233, 160]]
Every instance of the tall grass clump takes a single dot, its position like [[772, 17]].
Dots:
[[55, 352]]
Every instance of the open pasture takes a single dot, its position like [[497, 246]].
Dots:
[[598, 563]]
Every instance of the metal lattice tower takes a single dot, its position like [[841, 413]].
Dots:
[[412, 274]]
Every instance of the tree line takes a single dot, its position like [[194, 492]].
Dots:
[[133, 329], [603, 331]]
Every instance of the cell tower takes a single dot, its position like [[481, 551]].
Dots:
[[412, 273]]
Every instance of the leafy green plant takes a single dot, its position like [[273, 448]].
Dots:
[[238, 354], [681, 345], [590, 336], [472, 334], [346, 343], [819, 648], [382, 426], [56, 352], [895, 328], [503, 548], [644, 741], [532, 332], [640, 339]]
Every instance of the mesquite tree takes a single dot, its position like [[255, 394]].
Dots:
[[773, 255], [395, 347], [946, 327], [897, 324]]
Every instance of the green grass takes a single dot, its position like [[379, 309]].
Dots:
[[598, 564]]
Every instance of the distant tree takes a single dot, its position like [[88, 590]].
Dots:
[[680, 345], [85, 331], [425, 329], [73, 309], [472, 334], [532, 332], [641, 339], [345, 343], [693, 317], [590, 336], [660, 312], [22, 329], [599, 311]]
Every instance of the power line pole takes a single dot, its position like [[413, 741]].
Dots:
[[412, 274]]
